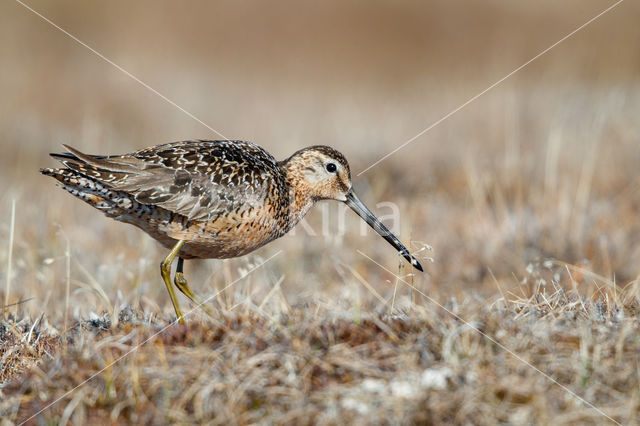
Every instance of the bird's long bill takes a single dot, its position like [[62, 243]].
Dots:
[[358, 206]]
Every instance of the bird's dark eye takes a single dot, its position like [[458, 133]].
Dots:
[[331, 168]]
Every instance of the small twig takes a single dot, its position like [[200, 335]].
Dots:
[[393, 300], [506, 301], [271, 292], [68, 284], [10, 255], [19, 302]]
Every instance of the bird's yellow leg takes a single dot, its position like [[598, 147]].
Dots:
[[165, 271], [181, 283]]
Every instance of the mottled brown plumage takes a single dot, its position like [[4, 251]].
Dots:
[[211, 199]]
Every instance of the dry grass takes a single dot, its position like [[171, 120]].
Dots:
[[422, 367], [529, 196]]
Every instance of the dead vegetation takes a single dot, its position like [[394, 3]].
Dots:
[[425, 366]]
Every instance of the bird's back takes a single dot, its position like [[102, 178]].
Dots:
[[224, 198]]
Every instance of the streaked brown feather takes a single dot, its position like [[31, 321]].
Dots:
[[196, 179], [223, 198], [211, 199]]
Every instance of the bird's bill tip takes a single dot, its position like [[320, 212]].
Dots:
[[358, 206], [416, 264]]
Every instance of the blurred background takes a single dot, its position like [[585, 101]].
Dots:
[[543, 166]]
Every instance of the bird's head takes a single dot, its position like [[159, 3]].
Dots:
[[321, 173]]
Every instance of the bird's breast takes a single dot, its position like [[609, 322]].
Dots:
[[227, 235]]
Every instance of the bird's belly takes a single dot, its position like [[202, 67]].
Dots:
[[205, 241], [227, 236]]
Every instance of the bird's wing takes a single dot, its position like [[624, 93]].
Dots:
[[196, 179]]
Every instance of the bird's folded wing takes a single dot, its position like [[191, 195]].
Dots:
[[199, 180]]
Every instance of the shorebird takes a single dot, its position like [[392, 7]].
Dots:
[[211, 199]]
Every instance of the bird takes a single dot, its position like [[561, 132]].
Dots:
[[211, 199]]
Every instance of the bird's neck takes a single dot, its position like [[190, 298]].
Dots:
[[299, 193]]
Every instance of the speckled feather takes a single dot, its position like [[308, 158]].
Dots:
[[200, 180], [215, 199], [212, 199], [224, 198]]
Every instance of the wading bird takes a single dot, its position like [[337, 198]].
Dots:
[[211, 199]]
